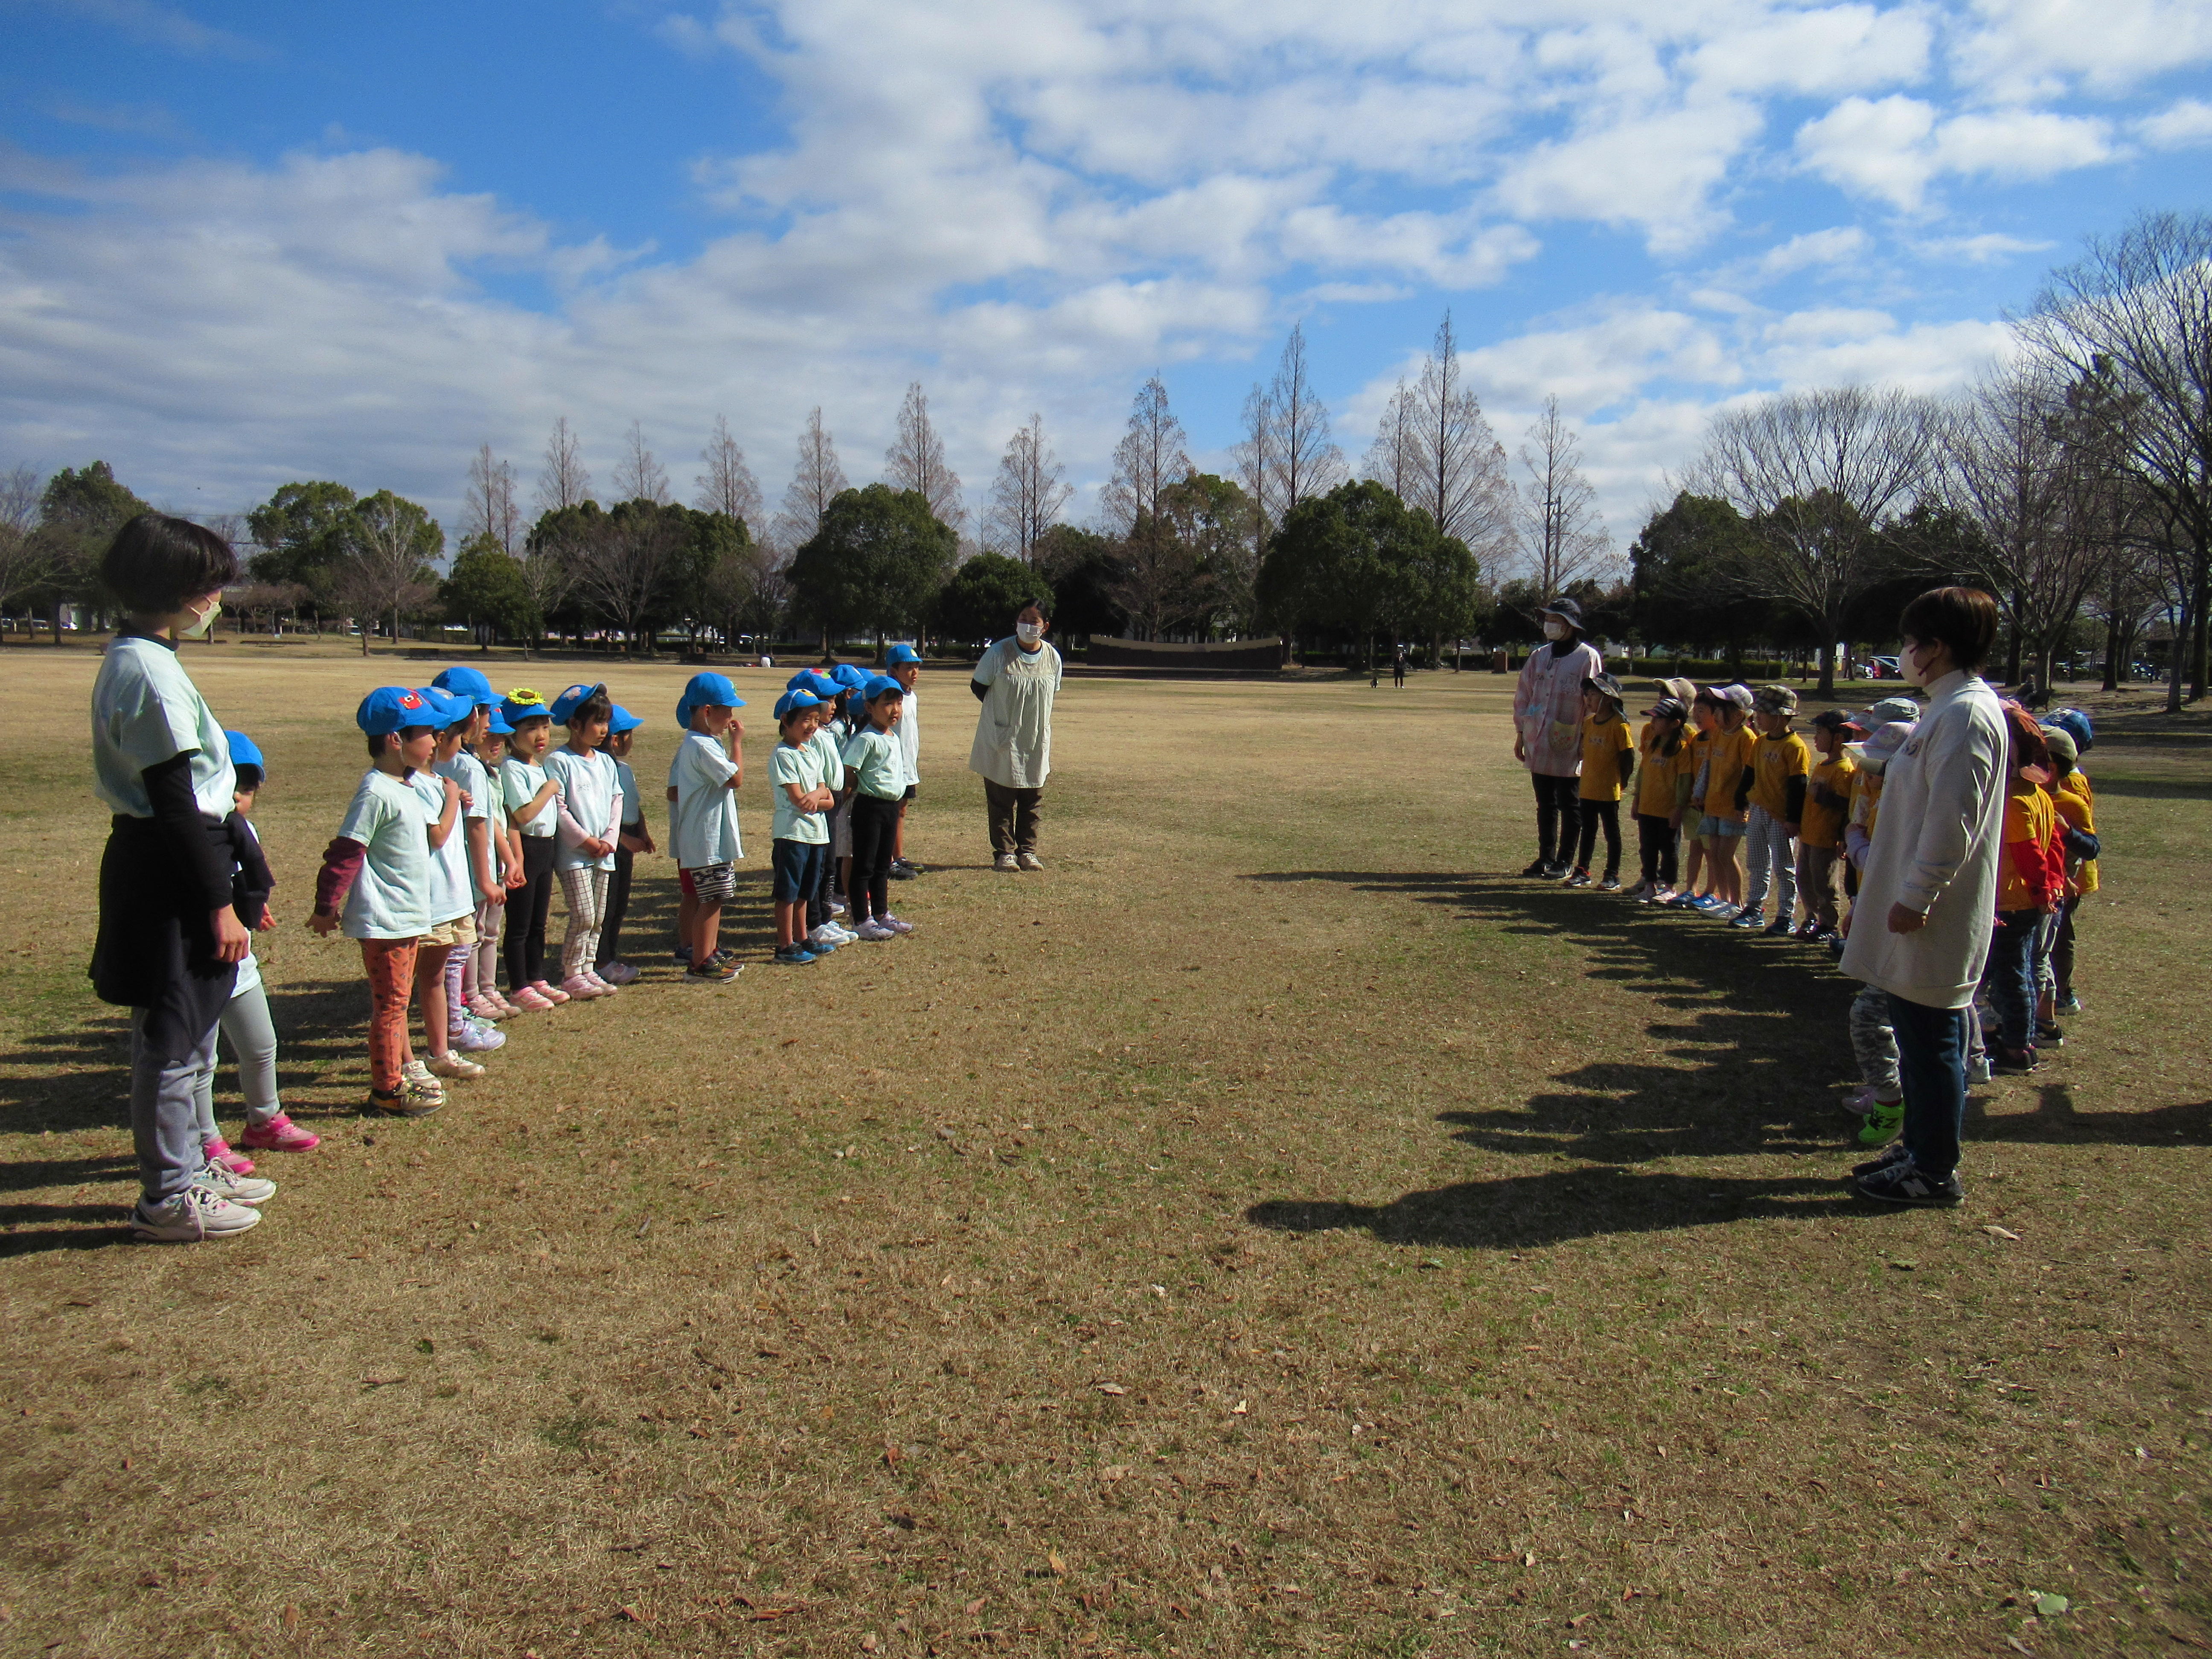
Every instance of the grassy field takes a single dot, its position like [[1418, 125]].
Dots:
[[1272, 1229]]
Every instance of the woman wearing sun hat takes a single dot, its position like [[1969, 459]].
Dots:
[[1547, 714]]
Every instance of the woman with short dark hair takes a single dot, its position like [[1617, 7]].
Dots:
[[1016, 681], [1927, 901]]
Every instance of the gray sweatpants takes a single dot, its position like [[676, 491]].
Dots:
[[166, 1076], [1768, 855], [1875, 1043], [252, 1039]]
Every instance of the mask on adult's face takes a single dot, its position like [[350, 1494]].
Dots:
[[200, 629], [1028, 632], [1554, 628], [1909, 667]]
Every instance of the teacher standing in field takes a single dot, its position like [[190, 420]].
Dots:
[[1015, 682], [1548, 731]]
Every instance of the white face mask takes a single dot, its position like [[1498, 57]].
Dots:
[[1909, 667], [1028, 632], [1554, 628], [200, 629]]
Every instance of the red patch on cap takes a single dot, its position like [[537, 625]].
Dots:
[[410, 701]]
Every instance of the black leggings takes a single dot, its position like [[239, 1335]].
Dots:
[[526, 909], [2061, 949], [1559, 815], [1655, 841], [1596, 814], [875, 827], [617, 902]]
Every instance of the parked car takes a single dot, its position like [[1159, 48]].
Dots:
[[1884, 668]]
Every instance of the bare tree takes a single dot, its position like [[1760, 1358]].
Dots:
[[632, 554], [1461, 481], [26, 561], [1394, 458], [1159, 584], [1562, 533], [727, 486], [1257, 461], [1149, 457], [1287, 454], [1029, 492], [815, 483], [489, 509], [549, 568], [564, 481], [1821, 474], [916, 461], [639, 475], [387, 573], [2138, 309]]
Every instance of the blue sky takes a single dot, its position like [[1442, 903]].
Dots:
[[240, 244]]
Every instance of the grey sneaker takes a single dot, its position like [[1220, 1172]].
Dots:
[[236, 1188], [192, 1215], [1028, 862], [1005, 862], [1905, 1182]]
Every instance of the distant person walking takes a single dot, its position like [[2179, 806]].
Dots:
[[1927, 902], [1548, 718], [1016, 681], [1398, 669]]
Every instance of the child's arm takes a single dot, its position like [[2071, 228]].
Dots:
[[1793, 790], [523, 814], [341, 862], [444, 827], [1627, 758], [489, 888]]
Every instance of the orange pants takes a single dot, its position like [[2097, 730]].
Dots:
[[390, 964]]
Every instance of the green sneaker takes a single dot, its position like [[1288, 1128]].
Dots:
[[1883, 1124]]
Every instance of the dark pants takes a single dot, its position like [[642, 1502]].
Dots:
[[1559, 815], [1596, 815], [527, 907], [818, 899], [2062, 951], [1931, 1066], [1014, 814], [617, 902], [2011, 977], [875, 827], [1654, 844]]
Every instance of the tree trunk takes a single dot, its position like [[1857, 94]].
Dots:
[[57, 609], [2175, 647], [2113, 646], [1826, 690], [2198, 582]]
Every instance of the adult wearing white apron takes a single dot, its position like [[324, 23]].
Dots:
[[1548, 717], [1016, 682]]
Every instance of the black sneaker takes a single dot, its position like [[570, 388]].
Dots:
[[1556, 869], [901, 872], [2048, 1036], [711, 972], [1893, 1153], [1538, 868], [1580, 878], [681, 956], [1906, 1182], [1610, 885], [1778, 928], [2012, 1062]]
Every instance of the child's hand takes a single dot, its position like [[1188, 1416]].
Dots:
[[323, 925], [1791, 830], [267, 919], [513, 879], [452, 791]]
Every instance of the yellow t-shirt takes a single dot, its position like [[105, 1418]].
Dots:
[[1604, 741], [1866, 799], [2077, 805], [1774, 761], [1696, 749], [1655, 788], [2028, 816], [1730, 753], [1822, 825]]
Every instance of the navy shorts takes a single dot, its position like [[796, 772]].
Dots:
[[797, 865]]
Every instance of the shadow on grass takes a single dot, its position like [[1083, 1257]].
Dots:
[[1752, 1032]]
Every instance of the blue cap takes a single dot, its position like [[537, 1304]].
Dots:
[[499, 727], [522, 704], [712, 688], [390, 706], [622, 721], [2075, 724], [802, 681], [445, 707], [849, 677], [794, 700], [902, 653], [565, 704], [244, 751], [462, 681], [879, 684]]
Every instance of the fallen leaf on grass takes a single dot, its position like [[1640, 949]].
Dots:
[[976, 1605], [1242, 1408], [1111, 1388], [1114, 1472], [631, 1615], [2047, 1605], [291, 1619], [1997, 1231], [1059, 1567], [383, 1379]]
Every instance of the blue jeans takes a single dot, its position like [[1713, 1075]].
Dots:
[[1931, 1065], [2011, 977]]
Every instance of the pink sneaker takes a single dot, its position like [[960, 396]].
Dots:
[[606, 985], [487, 1007], [582, 988], [551, 992], [887, 919], [218, 1151], [279, 1134], [527, 1002]]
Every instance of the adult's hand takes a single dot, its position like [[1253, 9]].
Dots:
[[232, 941], [1520, 749], [1904, 919]]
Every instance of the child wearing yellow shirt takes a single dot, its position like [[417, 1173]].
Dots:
[[1726, 763], [1608, 759], [2030, 885], [2075, 805], [1820, 830], [1773, 792], [1662, 791]]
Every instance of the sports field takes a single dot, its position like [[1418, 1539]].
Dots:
[[1273, 1229]]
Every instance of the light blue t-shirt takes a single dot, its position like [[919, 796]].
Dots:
[[802, 764], [875, 757], [145, 710], [452, 894], [633, 809], [391, 897], [703, 824], [520, 781], [591, 793]]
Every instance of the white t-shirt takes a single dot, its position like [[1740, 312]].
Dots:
[[802, 764], [1013, 728], [633, 809], [519, 781], [391, 897], [145, 710], [590, 795], [249, 969], [468, 772], [451, 893], [908, 732], [703, 823]]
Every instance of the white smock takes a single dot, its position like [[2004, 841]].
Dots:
[[1013, 730], [1547, 707]]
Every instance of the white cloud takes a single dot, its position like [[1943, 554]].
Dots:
[[1895, 148], [2182, 125], [2019, 49], [1815, 247]]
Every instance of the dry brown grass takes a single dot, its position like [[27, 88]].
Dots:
[[1269, 1230]]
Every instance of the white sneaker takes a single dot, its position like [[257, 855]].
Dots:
[[838, 934], [828, 934], [874, 932], [607, 986], [582, 988], [452, 1065], [887, 919], [473, 1037], [419, 1074], [618, 974], [192, 1215], [837, 906], [1028, 862], [232, 1188], [1005, 862]]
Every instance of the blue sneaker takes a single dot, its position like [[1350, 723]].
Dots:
[[795, 957], [819, 941], [1747, 918], [1710, 902]]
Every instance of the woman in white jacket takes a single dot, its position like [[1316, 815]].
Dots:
[[1548, 717], [1927, 902]]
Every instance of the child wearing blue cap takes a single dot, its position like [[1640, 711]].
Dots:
[[702, 836], [823, 907], [472, 697], [534, 819], [875, 779], [590, 808], [482, 988], [903, 664], [802, 796], [378, 869], [452, 925], [633, 838]]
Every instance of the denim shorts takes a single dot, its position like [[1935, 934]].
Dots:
[[797, 867], [1710, 825]]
